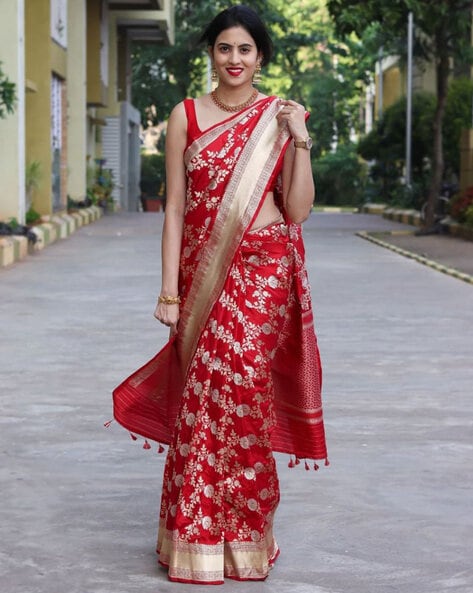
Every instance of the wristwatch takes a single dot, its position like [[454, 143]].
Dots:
[[307, 143]]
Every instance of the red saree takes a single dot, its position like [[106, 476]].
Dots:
[[242, 377]]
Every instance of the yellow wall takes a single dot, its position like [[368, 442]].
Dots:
[[38, 104], [393, 86], [12, 162], [58, 59], [425, 79], [112, 107], [76, 99], [96, 90]]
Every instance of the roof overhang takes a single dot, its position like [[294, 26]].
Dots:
[[136, 4], [150, 21]]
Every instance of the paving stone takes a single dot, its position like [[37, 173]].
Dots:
[[392, 514]]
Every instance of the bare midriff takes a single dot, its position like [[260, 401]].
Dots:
[[269, 213]]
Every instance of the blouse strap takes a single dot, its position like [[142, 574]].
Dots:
[[193, 130]]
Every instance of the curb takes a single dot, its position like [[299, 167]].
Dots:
[[412, 217], [336, 209], [419, 258], [52, 228]]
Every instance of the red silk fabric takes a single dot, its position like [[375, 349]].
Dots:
[[147, 402], [242, 378]]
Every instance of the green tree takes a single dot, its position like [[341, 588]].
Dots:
[[442, 35], [339, 177], [458, 116], [385, 145], [311, 65], [7, 95]]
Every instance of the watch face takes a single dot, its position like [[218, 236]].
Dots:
[[309, 143]]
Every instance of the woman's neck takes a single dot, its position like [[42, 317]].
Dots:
[[232, 95]]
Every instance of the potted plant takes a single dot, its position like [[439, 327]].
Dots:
[[152, 182], [100, 185]]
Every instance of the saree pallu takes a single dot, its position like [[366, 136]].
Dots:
[[242, 377]]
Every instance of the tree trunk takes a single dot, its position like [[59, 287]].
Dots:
[[435, 188]]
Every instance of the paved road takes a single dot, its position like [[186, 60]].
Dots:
[[446, 250], [393, 513]]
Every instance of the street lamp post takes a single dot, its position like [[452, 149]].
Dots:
[[410, 39]]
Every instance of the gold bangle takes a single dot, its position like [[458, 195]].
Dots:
[[169, 300]]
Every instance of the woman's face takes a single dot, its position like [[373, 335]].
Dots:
[[235, 56]]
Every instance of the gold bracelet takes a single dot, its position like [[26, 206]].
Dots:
[[169, 300]]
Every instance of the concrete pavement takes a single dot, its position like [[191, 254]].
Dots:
[[394, 511]]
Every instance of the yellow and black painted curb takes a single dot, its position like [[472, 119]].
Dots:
[[49, 230], [415, 256]]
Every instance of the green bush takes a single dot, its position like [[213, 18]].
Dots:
[[340, 177], [7, 95], [32, 216], [152, 174], [469, 217], [457, 117], [385, 146]]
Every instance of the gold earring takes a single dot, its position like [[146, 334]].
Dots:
[[257, 74], [214, 74]]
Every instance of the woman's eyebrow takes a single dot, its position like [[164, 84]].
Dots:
[[230, 44]]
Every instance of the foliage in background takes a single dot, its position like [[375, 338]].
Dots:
[[310, 65], [385, 148], [385, 145], [442, 31], [100, 186], [33, 176], [152, 179], [7, 95], [325, 51], [458, 116], [340, 177], [461, 207], [32, 216]]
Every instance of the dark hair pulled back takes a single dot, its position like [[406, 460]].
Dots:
[[241, 16]]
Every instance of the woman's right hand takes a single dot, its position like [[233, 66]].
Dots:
[[168, 315]]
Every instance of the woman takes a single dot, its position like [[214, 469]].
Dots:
[[240, 376]]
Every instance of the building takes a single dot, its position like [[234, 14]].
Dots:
[[70, 61], [391, 80]]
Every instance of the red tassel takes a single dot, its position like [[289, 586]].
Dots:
[[307, 466], [297, 460], [291, 463], [107, 424], [146, 445], [327, 462], [133, 436], [160, 448], [316, 467]]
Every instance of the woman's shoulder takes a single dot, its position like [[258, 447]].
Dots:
[[178, 108], [188, 104]]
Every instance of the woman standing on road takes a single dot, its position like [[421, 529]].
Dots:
[[240, 377]]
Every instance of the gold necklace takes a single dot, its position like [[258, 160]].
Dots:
[[233, 108]]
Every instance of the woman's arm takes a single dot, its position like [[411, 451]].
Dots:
[[298, 182], [176, 137]]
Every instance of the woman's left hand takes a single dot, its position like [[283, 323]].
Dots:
[[293, 115]]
